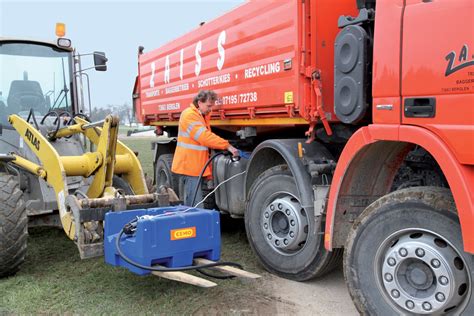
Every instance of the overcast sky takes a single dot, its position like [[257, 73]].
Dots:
[[115, 27]]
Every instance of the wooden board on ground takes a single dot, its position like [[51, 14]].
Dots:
[[197, 281], [227, 269], [185, 278]]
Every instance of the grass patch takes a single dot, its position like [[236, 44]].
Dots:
[[123, 129], [53, 279], [142, 145]]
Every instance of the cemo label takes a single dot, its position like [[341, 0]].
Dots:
[[183, 233]]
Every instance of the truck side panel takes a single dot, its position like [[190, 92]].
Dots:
[[259, 58], [386, 63], [438, 68], [241, 55]]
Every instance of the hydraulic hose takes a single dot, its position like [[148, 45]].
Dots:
[[32, 115], [58, 115]]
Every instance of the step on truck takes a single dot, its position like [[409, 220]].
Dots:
[[359, 123]]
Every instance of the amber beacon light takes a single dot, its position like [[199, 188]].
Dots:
[[60, 29]]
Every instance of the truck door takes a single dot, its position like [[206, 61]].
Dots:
[[438, 71]]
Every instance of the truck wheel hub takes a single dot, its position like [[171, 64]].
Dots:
[[418, 275], [285, 224], [422, 273]]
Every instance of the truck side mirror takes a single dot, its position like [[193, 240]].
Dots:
[[100, 61]]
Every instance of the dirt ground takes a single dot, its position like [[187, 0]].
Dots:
[[277, 296], [325, 296]]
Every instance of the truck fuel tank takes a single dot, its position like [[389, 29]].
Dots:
[[230, 196]]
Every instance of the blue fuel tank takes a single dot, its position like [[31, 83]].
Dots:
[[168, 236]]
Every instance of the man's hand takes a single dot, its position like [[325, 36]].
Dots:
[[233, 150]]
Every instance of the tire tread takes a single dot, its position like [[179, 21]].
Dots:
[[13, 226], [322, 264], [440, 199], [167, 160]]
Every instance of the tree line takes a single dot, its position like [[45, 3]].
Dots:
[[124, 111]]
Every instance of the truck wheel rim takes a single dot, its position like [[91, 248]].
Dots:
[[420, 272], [285, 224]]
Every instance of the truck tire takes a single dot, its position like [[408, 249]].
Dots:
[[281, 233], [163, 174], [13, 226], [210, 202], [149, 184], [405, 256]]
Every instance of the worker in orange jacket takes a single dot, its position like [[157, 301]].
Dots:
[[194, 141]]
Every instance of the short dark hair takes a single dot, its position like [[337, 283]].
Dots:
[[204, 96]]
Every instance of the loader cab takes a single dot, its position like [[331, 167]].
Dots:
[[37, 77]]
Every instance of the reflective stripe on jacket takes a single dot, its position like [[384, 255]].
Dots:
[[194, 141]]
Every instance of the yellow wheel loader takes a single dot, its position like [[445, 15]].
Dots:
[[47, 174], [59, 169]]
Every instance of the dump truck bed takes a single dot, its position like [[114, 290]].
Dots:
[[259, 58]]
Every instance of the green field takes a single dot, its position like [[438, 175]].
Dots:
[[142, 145], [53, 279]]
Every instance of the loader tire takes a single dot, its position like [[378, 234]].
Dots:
[[405, 255], [13, 226], [122, 185], [281, 233], [163, 174]]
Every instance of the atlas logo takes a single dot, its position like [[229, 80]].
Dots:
[[462, 60], [32, 139]]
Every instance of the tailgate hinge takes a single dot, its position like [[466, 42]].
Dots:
[[317, 111]]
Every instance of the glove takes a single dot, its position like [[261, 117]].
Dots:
[[233, 150]]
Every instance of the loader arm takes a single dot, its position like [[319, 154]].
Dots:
[[102, 183], [126, 162], [111, 157], [52, 168]]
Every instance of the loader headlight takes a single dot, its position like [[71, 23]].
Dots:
[[64, 42]]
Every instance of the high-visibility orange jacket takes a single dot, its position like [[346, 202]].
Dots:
[[194, 141]]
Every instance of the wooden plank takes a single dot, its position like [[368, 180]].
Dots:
[[229, 270], [185, 278]]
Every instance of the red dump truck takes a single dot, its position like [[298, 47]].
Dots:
[[359, 120]]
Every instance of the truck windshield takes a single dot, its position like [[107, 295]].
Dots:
[[33, 76]]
